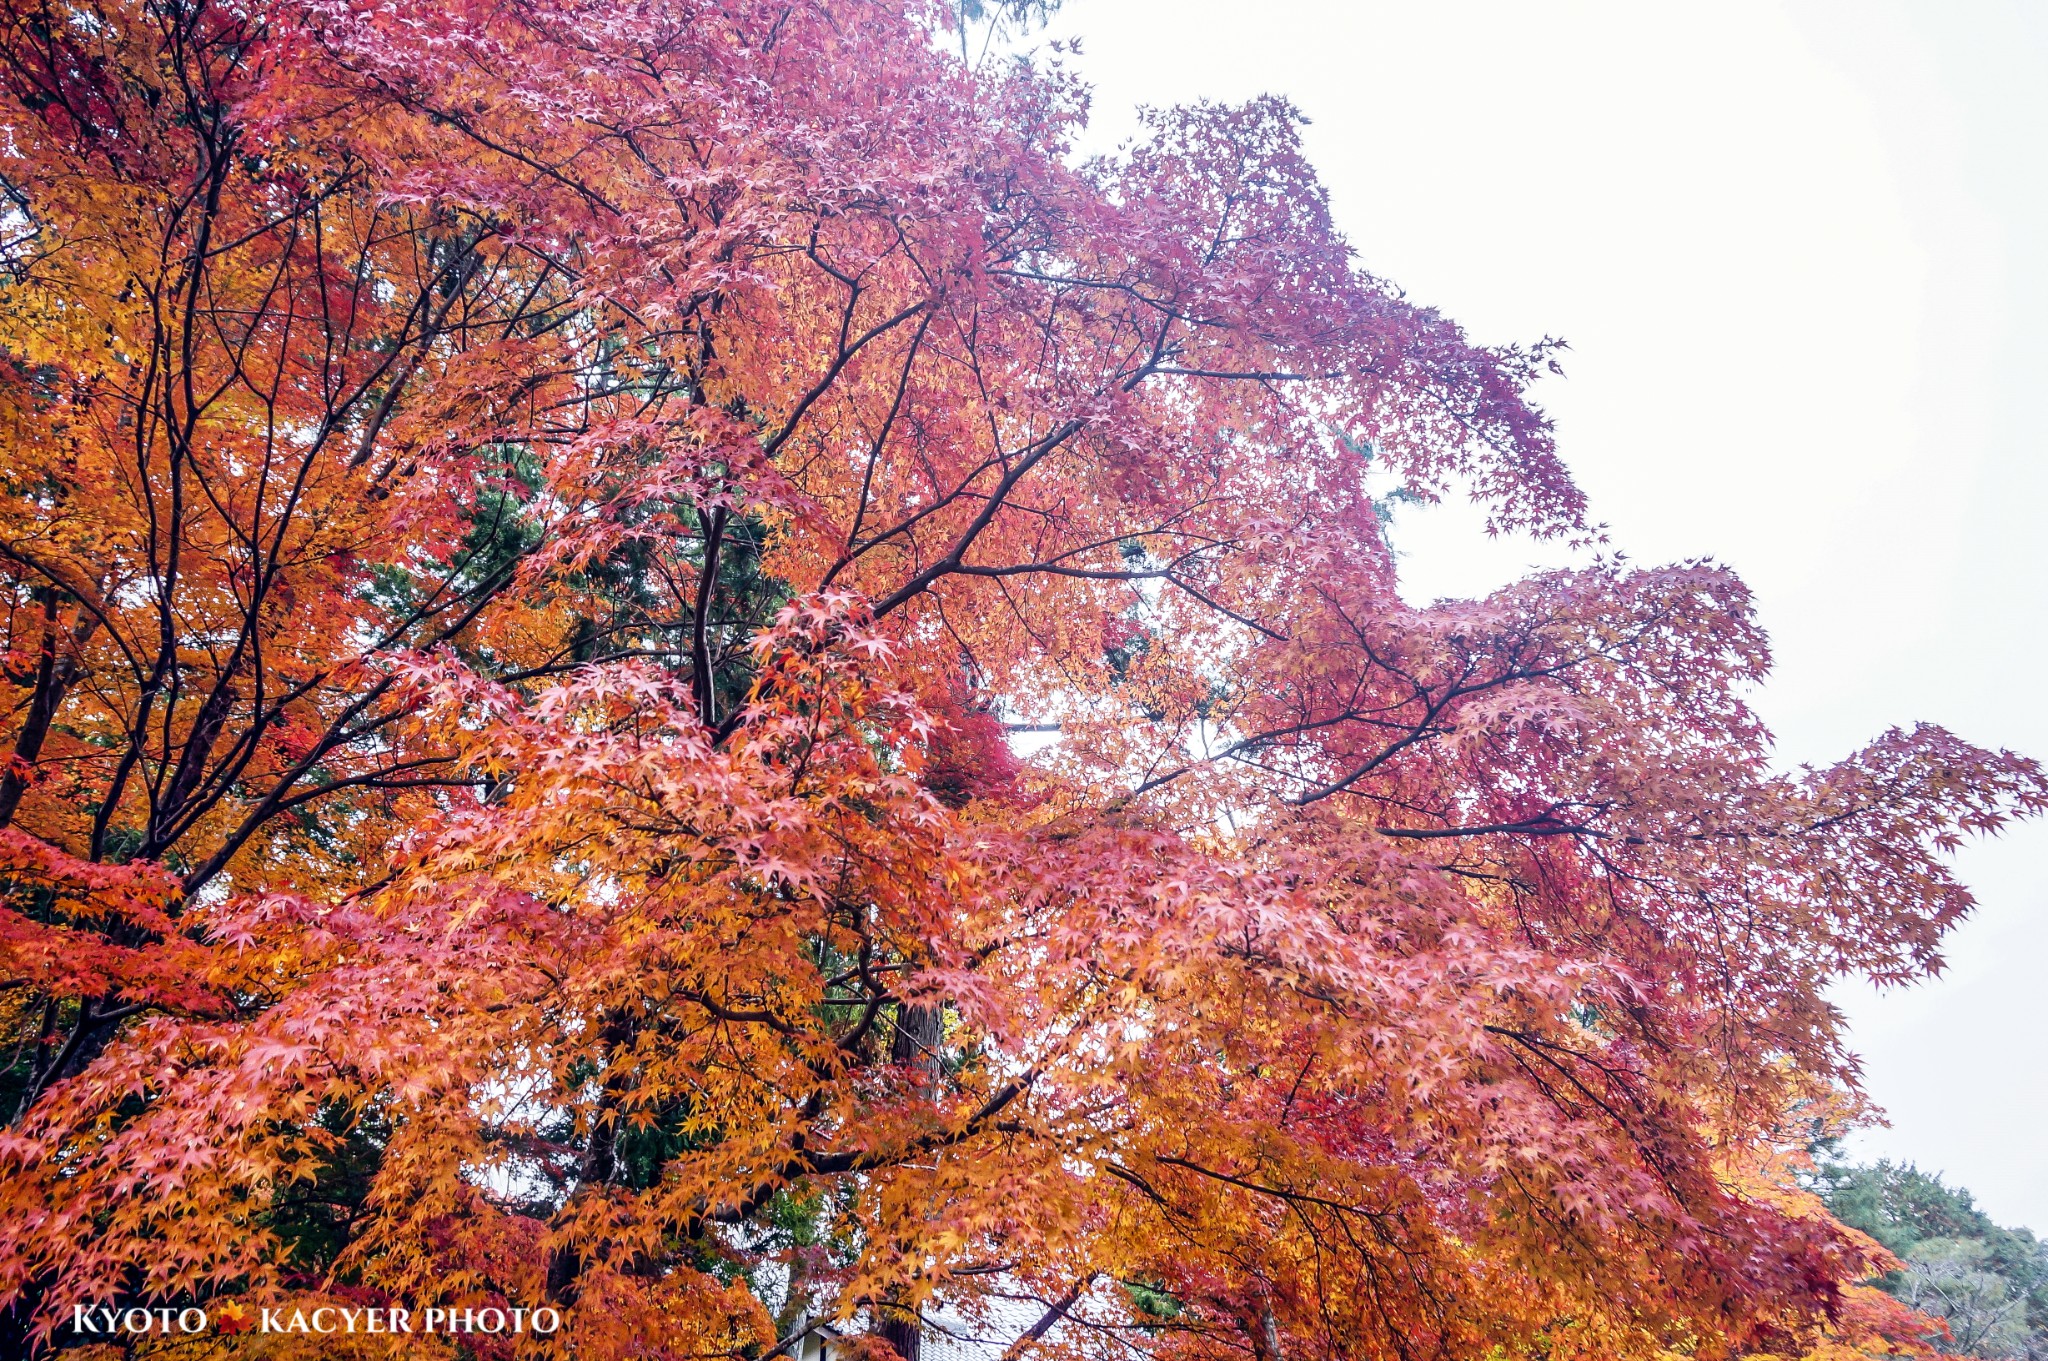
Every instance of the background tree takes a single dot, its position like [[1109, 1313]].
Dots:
[[1987, 1284], [523, 525]]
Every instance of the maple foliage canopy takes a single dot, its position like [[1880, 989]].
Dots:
[[524, 524]]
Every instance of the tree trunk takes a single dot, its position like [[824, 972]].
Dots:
[[902, 1333], [600, 1159], [916, 1044], [1266, 1340]]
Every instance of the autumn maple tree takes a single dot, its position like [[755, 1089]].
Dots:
[[527, 527]]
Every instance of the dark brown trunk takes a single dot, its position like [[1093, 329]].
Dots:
[[916, 1046], [53, 678], [199, 744], [600, 1161], [902, 1333]]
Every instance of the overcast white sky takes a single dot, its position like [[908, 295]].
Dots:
[[1800, 251]]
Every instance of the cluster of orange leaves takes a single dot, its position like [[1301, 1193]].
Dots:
[[524, 522]]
